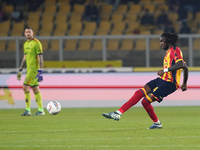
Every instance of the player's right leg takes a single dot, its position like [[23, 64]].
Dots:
[[131, 102], [27, 111]]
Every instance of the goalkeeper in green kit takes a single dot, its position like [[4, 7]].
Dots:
[[34, 63]]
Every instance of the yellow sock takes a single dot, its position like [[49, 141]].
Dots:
[[28, 100], [38, 99]]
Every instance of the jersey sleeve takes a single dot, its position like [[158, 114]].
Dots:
[[178, 55], [39, 48]]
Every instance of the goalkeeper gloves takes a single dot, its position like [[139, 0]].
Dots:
[[39, 76], [19, 74]]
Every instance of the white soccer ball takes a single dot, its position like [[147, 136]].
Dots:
[[53, 107]]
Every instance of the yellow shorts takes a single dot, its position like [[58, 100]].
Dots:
[[30, 79]]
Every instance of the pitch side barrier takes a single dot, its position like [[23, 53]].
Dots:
[[191, 55], [93, 89]]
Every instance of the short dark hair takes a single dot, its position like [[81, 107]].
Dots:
[[28, 28], [171, 38]]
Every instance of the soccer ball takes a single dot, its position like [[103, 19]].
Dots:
[[53, 107]]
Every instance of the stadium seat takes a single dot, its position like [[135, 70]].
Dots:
[[113, 44], [105, 16], [145, 32], [75, 28], [54, 45], [89, 28], [155, 44], [131, 27], [118, 28], [34, 25], [158, 32], [18, 27], [11, 45], [79, 8], [140, 44], [47, 28], [104, 28], [131, 17], [163, 6], [45, 44], [172, 17], [64, 8], [61, 29], [2, 45], [117, 17], [127, 44], [196, 44], [150, 7], [135, 8], [50, 8], [176, 27], [85, 44], [34, 16], [106, 8], [4, 28], [47, 17], [97, 45], [74, 17], [121, 9], [8, 8], [61, 18], [70, 45]]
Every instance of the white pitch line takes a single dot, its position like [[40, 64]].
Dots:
[[106, 146], [101, 139]]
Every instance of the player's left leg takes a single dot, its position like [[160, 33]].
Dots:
[[146, 103], [38, 99], [163, 89]]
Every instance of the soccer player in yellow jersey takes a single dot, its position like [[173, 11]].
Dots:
[[156, 89], [34, 64]]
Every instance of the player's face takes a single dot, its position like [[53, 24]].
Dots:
[[28, 33], [163, 43]]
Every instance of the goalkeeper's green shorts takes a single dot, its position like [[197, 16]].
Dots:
[[30, 79]]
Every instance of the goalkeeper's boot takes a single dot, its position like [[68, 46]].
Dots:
[[112, 115], [40, 113], [26, 113], [156, 126]]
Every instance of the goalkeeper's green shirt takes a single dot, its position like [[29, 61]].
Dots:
[[32, 48]]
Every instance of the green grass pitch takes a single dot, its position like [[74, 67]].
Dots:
[[87, 129]]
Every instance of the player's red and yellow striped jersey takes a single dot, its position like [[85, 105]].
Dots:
[[173, 55]]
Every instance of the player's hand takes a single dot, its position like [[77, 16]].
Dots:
[[183, 87], [39, 76], [160, 73], [19, 74]]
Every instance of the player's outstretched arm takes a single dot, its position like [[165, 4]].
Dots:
[[185, 77], [23, 62]]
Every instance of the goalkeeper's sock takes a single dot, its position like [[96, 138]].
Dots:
[[28, 100], [38, 99], [133, 100]]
